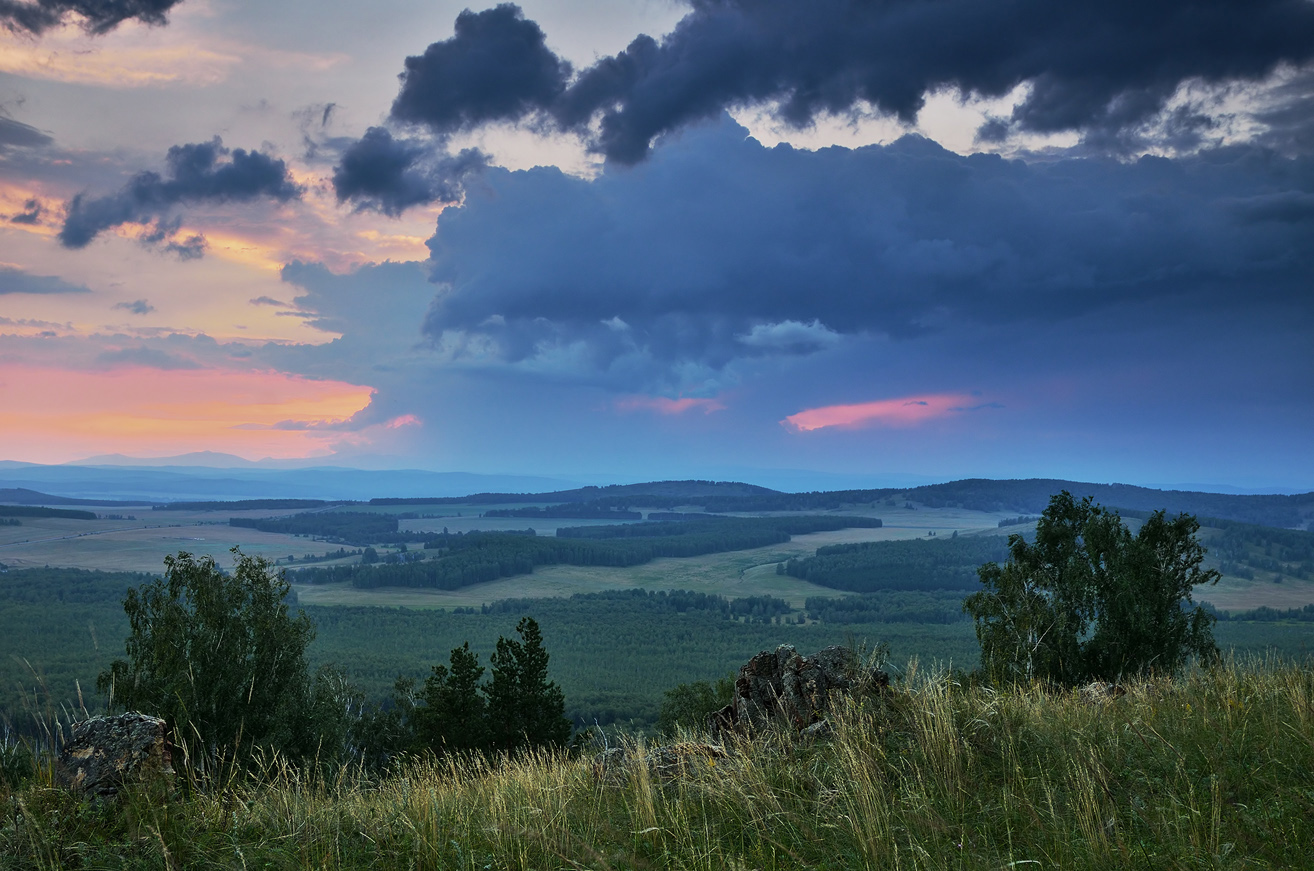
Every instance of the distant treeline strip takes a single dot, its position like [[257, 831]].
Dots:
[[349, 527], [1265, 614], [760, 608], [568, 511], [250, 505], [705, 523], [479, 557], [920, 564], [36, 511], [903, 607]]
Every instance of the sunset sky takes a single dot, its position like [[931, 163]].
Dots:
[[651, 239]]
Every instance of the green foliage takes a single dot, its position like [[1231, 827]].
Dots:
[[937, 606], [525, 709], [37, 511], [1088, 599], [706, 524], [1209, 771], [16, 763], [479, 557], [247, 505], [454, 716], [569, 511], [349, 527], [920, 564], [219, 657], [688, 705]]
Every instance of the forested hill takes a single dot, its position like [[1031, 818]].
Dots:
[[652, 493], [1028, 496], [24, 496]]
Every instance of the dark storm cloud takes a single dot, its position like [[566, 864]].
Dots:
[[719, 249], [17, 134], [14, 280], [198, 172], [97, 16], [497, 67], [390, 175], [1102, 67]]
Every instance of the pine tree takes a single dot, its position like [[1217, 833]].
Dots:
[[525, 709], [454, 717]]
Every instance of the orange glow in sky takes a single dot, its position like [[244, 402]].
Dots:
[[56, 415], [904, 411]]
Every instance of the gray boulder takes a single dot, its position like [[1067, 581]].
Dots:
[[106, 754], [782, 686]]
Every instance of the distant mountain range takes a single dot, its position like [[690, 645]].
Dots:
[[177, 483], [28, 484]]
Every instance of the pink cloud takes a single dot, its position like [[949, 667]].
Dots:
[[404, 420], [664, 405], [903, 411]]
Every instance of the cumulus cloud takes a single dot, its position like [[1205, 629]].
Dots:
[[718, 249], [390, 175], [197, 173], [1102, 69], [97, 17], [791, 336], [497, 67]]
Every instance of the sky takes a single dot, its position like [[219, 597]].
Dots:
[[645, 239]]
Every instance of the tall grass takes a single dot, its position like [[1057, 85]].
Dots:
[[1212, 770]]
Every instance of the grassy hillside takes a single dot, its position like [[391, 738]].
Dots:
[[1210, 771]]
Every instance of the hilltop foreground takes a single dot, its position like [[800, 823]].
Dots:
[[1207, 771]]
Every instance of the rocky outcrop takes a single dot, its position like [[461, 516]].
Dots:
[[783, 686], [106, 754]]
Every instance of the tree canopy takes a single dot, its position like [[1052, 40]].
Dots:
[[218, 656], [1090, 600]]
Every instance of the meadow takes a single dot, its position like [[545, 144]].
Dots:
[[1206, 771]]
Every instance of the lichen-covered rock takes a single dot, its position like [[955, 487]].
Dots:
[[105, 754], [782, 686]]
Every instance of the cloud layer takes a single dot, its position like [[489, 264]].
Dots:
[[718, 249], [197, 172], [1103, 69], [97, 17]]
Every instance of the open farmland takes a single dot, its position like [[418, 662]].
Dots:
[[732, 574], [140, 544]]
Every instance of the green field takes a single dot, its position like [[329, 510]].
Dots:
[[613, 660]]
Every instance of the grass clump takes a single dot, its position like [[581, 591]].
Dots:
[[1210, 770]]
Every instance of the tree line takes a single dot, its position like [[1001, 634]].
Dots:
[[919, 564], [478, 557], [568, 511], [222, 659], [38, 511]]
